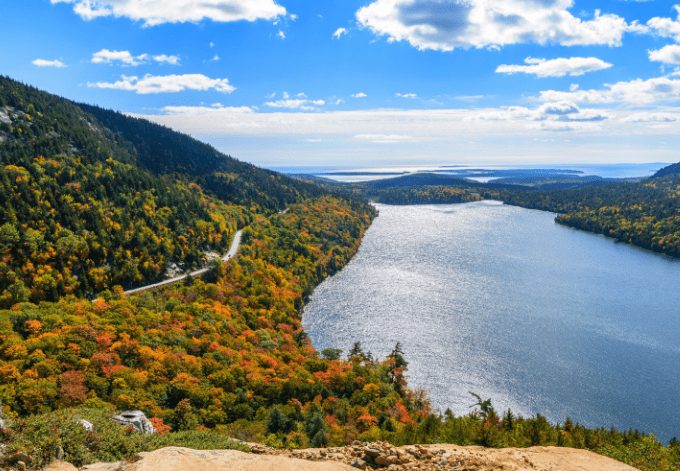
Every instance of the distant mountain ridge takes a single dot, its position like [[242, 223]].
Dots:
[[673, 169]]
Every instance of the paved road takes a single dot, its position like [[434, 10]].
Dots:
[[233, 250]]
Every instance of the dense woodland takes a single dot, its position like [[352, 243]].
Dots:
[[163, 151], [670, 170], [645, 213], [424, 195], [228, 354], [92, 201], [84, 206]]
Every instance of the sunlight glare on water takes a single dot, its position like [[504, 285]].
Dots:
[[502, 301]]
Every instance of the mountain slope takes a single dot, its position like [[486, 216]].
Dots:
[[84, 207], [670, 170], [161, 150], [644, 213]]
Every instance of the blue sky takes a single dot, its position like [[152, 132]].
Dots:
[[291, 82]]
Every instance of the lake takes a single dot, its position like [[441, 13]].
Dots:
[[504, 302]]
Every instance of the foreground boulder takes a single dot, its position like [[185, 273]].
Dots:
[[185, 459], [135, 419], [370, 456]]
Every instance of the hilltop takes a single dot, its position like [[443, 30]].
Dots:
[[357, 456]]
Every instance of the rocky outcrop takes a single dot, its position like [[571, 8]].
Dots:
[[380, 455], [367, 456]]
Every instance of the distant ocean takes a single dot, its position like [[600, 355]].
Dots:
[[353, 174]]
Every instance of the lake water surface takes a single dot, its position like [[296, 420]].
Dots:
[[503, 302]]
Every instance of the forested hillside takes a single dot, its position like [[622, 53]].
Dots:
[[645, 213], [227, 356], [670, 170], [85, 206], [164, 151], [226, 350]]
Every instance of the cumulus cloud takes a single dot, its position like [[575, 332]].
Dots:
[[634, 92], [106, 56], [444, 25], [55, 63], [406, 95], [340, 32], [166, 59], [666, 27], [156, 12], [561, 111], [560, 67], [359, 95], [150, 84], [299, 102], [668, 54]]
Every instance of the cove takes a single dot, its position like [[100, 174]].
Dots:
[[504, 302]]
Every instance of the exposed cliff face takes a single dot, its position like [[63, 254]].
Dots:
[[366, 456]]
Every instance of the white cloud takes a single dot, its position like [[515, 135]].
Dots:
[[150, 84], [651, 117], [56, 63], [561, 126], [375, 125], [166, 59], [385, 138], [300, 102], [634, 92], [295, 104], [491, 135], [340, 32], [359, 95], [156, 12], [281, 35], [204, 111], [668, 54], [666, 27], [562, 111], [448, 24], [106, 56], [406, 95], [572, 66]]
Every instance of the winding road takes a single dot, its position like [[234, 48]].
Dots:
[[233, 250]]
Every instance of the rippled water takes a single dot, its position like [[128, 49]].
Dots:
[[502, 301]]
